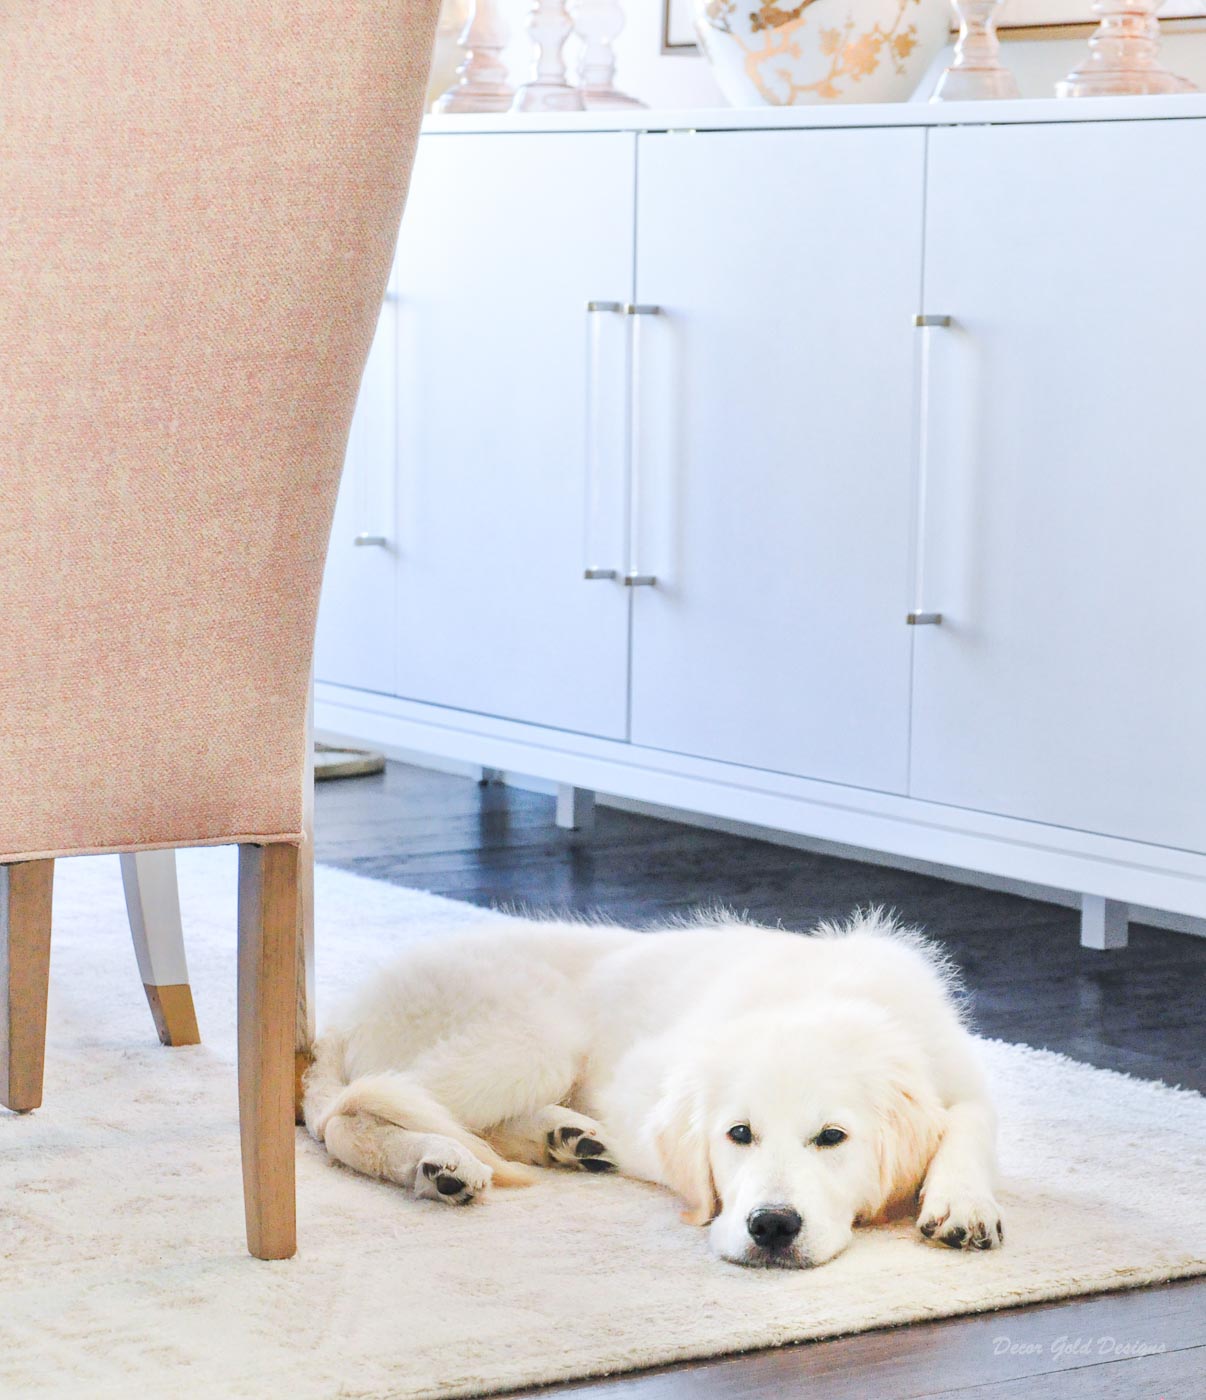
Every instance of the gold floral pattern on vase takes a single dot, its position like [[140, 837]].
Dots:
[[776, 53]]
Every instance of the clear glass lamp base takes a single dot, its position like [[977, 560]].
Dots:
[[604, 99], [548, 90], [482, 83], [977, 72], [1124, 55], [457, 100], [548, 97], [598, 24], [1105, 82], [974, 84]]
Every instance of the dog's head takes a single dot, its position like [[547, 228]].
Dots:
[[783, 1131]]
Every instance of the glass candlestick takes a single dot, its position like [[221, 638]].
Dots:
[[482, 83], [1123, 55], [977, 71], [597, 23], [548, 90]]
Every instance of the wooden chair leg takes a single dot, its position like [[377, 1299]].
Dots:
[[25, 895], [268, 922], [305, 1027], [153, 904], [303, 1041]]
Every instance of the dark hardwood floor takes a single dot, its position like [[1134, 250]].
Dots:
[[1139, 1010]]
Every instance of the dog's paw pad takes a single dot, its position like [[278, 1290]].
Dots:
[[453, 1183], [445, 1183], [592, 1156], [587, 1154], [971, 1223], [575, 1146]]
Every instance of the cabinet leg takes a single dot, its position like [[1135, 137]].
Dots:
[[1103, 923], [153, 906], [575, 808]]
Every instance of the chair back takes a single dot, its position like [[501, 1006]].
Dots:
[[198, 207]]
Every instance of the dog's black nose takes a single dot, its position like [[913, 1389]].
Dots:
[[773, 1227]]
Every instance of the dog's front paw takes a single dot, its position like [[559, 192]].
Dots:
[[574, 1146], [453, 1177], [961, 1219]]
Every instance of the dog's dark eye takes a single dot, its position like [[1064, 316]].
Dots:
[[829, 1137], [741, 1133]]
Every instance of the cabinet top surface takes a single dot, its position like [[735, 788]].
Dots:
[[1044, 110]]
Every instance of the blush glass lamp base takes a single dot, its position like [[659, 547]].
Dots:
[[597, 26], [1124, 55], [975, 84], [977, 72], [482, 83], [607, 99], [458, 101], [549, 90], [548, 97]]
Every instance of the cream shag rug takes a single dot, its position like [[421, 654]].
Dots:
[[121, 1220]]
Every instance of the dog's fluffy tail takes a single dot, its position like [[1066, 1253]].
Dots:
[[395, 1099]]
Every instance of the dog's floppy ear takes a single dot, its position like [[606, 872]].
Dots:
[[910, 1120], [682, 1148]]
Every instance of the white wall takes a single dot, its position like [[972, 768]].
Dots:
[[679, 81]]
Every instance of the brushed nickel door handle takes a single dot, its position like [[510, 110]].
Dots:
[[593, 485], [920, 616], [633, 576], [371, 541]]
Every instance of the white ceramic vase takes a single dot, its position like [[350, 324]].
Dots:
[[783, 53]]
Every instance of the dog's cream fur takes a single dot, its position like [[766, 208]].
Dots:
[[476, 1057]]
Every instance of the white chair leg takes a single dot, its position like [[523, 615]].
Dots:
[[153, 904], [575, 808], [1103, 923]]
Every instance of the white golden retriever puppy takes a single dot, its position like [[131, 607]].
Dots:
[[787, 1087]]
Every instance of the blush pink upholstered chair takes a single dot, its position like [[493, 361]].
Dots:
[[198, 208]]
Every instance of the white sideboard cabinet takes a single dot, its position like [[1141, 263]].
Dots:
[[773, 462], [838, 472], [473, 502], [1065, 530]]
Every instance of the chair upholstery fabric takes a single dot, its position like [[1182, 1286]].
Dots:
[[198, 207]]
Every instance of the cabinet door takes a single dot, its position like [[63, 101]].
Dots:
[[505, 240], [1065, 530], [357, 643], [773, 453]]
